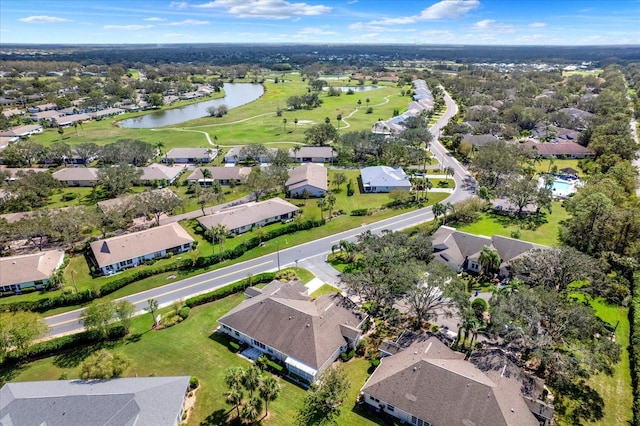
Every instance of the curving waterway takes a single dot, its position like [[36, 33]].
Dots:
[[236, 94]]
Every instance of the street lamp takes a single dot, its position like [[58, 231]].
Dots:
[[278, 254]]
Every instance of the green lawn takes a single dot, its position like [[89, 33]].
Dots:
[[191, 348], [324, 289], [546, 234], [545, 166]]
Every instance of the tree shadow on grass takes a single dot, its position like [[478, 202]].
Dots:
[[73, 358], [586, 402], [9, 371], [217, 418], [370, 414]]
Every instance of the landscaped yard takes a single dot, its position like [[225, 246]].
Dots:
[[546, 234], [192, 348]]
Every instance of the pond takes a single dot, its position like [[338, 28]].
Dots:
[[356, 89], [236, 94]]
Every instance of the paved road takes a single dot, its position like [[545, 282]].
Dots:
[[310, 255]]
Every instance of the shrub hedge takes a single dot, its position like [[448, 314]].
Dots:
[[45, 304], [229, 289]]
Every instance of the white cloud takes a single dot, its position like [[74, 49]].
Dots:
[[154, 19], [43, 19], [493, 26], [315, 31], [269, 9], [352, 2], [449, 9], [174, 35], [537, 24], [445, 9], [188, 22], [178, 4], [363, 27], [127, 27]]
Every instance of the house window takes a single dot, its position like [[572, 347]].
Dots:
[[226, 327], [236, 333], [390, 408], [259, 344]]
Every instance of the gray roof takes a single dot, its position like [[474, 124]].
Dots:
[[479, 140], [76, 173], [131, 200], [129, 246], [248, 214], [192, 153], [385, 176], [453, 247], [148, 401], [312, 152], [160, 172], [288, 321], [434, 383], [308, 174]]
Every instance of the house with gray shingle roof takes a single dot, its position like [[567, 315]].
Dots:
[[77, 176], [190, 155], [312, 154], [429, 384], [308, 179], [460, 251], [161, 172], [222, 175], [384, 179], [242, 218], [140, 401], [283, 322]]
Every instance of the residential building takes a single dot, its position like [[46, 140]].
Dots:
[[429, 384], [131, 202], [312, 154], [460, 251], [235, 155], [152, 401], [69, 120], [22, 131], [14, 173], [77, 176], [283, 322], [129, 250], [190, 155], [384, 179], [222, 175], [242, 218], [29, 270], [308, 179], [160, 173], [478, 140], [422, 101], [569, 150]]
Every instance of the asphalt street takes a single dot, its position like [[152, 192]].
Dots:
[[310, 255]]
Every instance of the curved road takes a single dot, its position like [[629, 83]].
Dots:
[[304, 255]]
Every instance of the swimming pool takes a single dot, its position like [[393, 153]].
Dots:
[[560, 188]]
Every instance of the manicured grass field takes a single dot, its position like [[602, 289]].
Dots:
[[546, 234], [193, 349]]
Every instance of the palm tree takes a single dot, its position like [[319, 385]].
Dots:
[[448, 171], [448, 208], [489, 260], [322, 203], [160, 145], [339, 118], [233, 397], [296, 150], [427, 186], [233, 376], [295, 123], [438, 209], [269, 391], [252, 409], [206, 174], [251, 379], [359, 102], [284, 124], [331, 201], [218, 234]]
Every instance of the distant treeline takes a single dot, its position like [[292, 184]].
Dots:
[[300, 55]]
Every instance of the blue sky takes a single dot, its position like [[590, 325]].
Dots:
[[479, 22]]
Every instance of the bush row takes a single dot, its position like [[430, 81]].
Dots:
[[60, 344], [45, 304], [634, 349]]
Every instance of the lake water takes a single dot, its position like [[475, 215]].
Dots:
[[356, 89], [236, 94]]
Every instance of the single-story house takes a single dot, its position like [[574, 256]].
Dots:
[[22, 131], [283, 322], [384, 179], [312, 154], [235, 154], [190, 155], [68, 120], [478, 140], [44, 115], [124, 401], [422, 101], [310, 179], [160, 172], [429, 384], [558, 149], [77, 176], [129, 250], [107, 112], [460, 251], [242, 218], [222, 175], [28, 270], [15, 172]]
